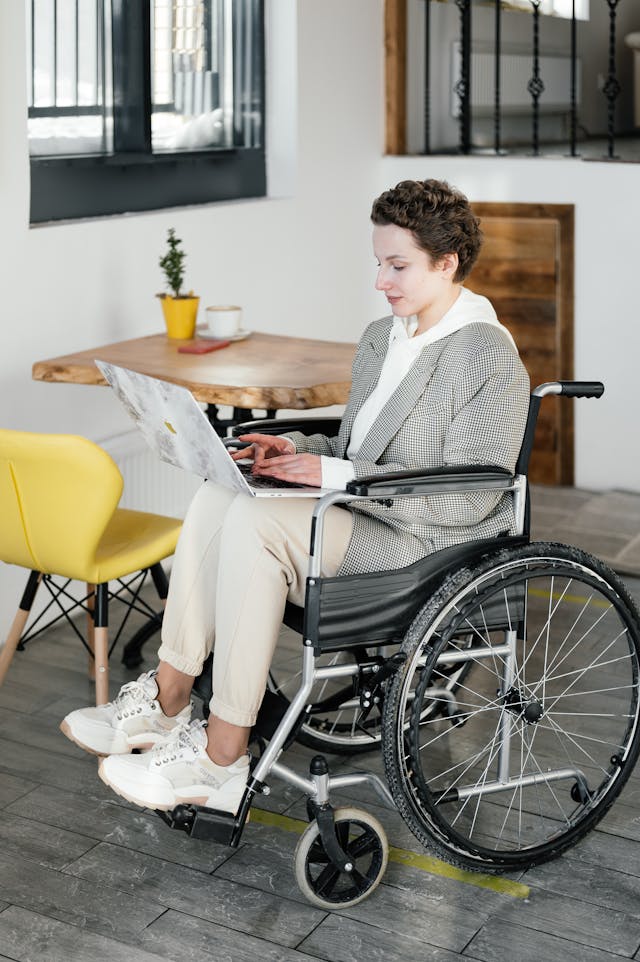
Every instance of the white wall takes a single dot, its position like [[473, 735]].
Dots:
[[298, 264]]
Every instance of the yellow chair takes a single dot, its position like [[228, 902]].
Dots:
[[59, 517]]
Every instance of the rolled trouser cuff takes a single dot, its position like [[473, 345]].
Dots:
[[186, 665], [232, 716]]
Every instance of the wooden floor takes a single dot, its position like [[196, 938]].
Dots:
[[85, 876]]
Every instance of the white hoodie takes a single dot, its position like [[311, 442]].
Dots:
[[469, 308]]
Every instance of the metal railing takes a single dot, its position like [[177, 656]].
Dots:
[[610, 87]]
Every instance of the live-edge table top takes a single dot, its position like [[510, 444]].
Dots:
[[262, 371]]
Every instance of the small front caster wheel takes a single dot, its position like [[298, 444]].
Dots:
[[363, 838]]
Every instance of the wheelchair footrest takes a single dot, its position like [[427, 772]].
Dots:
[[206, 823]]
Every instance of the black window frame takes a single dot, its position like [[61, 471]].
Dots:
[[131, 178]]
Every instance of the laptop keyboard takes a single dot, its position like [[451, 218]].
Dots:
[[260, 481]]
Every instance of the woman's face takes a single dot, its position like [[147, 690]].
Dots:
[[411, 282]]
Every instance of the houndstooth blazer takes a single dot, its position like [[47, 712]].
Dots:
[[464, 401]]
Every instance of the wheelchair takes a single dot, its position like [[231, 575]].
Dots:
[[500, 677]]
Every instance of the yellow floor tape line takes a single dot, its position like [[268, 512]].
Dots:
[[426, 863], [572, 599]]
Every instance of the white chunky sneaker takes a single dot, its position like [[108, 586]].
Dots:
[[178, 771], [134, 720]]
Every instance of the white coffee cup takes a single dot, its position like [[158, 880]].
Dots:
[[224, 321]]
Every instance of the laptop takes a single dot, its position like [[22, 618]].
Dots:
[[175, 426]]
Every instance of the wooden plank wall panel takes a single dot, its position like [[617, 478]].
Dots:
[[526, 270], [395, 41]]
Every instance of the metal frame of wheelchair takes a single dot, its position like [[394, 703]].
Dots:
[[342, 855]]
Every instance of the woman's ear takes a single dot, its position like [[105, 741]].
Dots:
[[448, 264]]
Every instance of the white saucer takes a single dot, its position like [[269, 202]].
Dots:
[[238, 336]]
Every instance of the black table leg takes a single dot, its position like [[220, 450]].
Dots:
[[239, 415]]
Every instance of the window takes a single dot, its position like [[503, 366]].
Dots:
[[139, 106]]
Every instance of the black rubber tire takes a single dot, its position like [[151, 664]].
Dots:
[[435, 770]]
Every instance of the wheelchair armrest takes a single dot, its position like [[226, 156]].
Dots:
[[319, 425], [475, 477], [452, 478]]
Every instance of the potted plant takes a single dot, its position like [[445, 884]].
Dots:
[[180, 310]]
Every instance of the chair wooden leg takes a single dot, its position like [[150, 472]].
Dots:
[[20, 620], [91, 600], [101, 643], [102, 665]]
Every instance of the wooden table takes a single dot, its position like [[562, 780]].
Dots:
[[263, 371]]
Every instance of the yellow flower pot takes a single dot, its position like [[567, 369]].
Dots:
[[180, 315]]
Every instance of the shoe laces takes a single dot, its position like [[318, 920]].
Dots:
[[132, 697], [181, 738]]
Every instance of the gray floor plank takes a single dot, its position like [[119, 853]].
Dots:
[[432, 922], [439, 889], [44, 844], [575, 920], [39, 731], [29, 937], [106, 820], [265, 862], [589, 882], [12, 787], [176, 936], [93, 905], [50, 679], [490, 943], [52, 768], [195, 893], [345, 940], [25, 698], [608, 851]]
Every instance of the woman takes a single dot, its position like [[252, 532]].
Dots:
[[437, 383]]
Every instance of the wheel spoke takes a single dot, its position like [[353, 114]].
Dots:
[[364, 845], [326, 881]]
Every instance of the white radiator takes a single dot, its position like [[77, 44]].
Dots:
[[149, 483], [516, 71]]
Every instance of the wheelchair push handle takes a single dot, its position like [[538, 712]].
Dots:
[[570, 389], [582, 388], [566, 388]]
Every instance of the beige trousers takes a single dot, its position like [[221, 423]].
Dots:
[[237, 562]]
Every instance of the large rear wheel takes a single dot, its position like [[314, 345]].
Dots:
[[543, 730]]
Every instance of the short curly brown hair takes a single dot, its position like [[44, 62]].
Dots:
[[439, 217]]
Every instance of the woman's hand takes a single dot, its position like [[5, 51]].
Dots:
[[263, 446], [300, 468], [275, 457]]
